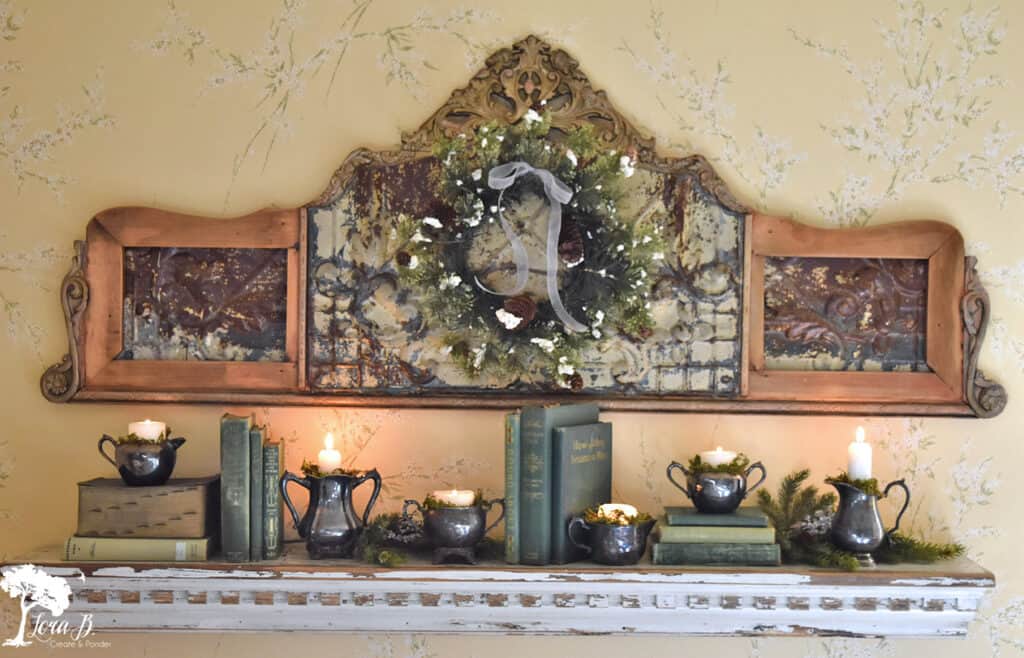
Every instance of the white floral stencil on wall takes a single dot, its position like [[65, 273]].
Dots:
[[920, 100], [697, 103], [26, 150], [283, 65], [26, 268]]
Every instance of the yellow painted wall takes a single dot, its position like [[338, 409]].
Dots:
[[840, 112]]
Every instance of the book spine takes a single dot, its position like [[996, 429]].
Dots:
[[234, 487], [741, 518], [716, 535], [104, 549], [272, 522], [560, 482], [535, 487], [715, 553], [512, 471], [580, 478], [256, 435]]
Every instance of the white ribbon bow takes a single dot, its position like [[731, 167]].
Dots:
[[501, 178]]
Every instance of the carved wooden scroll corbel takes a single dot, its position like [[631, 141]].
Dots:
[[985, 397], [62, 380]]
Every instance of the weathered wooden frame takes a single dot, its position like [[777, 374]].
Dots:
[[940, 244], [512, 80], [101, 339]]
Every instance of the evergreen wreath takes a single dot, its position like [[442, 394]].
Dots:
[[605, 263]]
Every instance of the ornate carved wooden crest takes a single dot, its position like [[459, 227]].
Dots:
[[318, 305]]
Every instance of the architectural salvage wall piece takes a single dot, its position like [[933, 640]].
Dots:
[[742, 312], [161, 301], [872, 307]]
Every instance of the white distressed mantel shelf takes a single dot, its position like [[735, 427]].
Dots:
[[299, 594]]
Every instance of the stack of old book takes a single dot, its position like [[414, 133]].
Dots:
[[173, 522], [250, 498], [743, 537], [558, 463]]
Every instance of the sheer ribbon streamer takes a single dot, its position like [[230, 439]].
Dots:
[[501, 178]]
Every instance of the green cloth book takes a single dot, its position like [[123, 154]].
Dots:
[[512, 487], [754, 555], [535, 433], [256, 436], [273, 523], [581, 472], [747, 517], [234, 487], [715, 535]]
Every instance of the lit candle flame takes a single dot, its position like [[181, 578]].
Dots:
[[329, 441], [860, 434]]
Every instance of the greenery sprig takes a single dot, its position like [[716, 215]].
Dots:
[[868, 486], [902, 548], [390, 539], [378, 543], [608, 261], [795, 503], [738, 465]]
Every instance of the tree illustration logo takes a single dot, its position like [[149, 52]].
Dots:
[[36, 588]]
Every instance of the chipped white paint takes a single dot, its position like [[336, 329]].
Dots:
[[944, 582], [478, 575], [494, 600]]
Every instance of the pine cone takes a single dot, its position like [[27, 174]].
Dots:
[[523, 307], [403, 258], [575, 381], [570, 242]]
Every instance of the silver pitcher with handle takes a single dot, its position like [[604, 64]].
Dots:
[[857, 526]]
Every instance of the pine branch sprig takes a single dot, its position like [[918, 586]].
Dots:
[[792, 504], [903, 548]]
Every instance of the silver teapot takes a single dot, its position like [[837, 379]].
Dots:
[[143, 463]]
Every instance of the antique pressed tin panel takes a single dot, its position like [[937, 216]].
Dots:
[[205, 304], [845, 313], [366, 333]]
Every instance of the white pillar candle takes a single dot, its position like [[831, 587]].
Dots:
[[717, 457], [859, 453], [455, 497], [611, 510], [329, 459], [150, 430]]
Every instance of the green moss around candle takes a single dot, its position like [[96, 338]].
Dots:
[[593, 516], [738, 466], [868, 486], [311, 470], [135, 439], [433, 503]]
